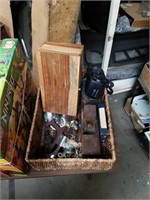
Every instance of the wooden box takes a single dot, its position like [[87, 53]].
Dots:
[[138, 125], [144, 78], [134, 11], [59, 76]]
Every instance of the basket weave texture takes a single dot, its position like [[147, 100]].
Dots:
[[66, 163]]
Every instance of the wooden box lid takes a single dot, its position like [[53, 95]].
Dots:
[[59, 76]]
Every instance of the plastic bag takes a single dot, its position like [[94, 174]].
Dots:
[[123, 25]]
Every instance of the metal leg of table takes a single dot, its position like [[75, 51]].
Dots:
[[11, 189]]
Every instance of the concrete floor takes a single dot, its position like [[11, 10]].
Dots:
[[129, 181]]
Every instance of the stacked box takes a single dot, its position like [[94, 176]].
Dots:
[[138, 125], [17, 98], [144, 78]]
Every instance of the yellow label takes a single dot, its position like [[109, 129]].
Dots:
[[9, 168], [3, 161]]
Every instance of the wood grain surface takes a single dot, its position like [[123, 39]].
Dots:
[[6, 17], [52, 20], [40, 23], [63, 18], [59, 74]]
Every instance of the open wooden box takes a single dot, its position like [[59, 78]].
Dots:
[[81, 164]]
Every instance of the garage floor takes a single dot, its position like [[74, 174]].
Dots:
[[129, 181]]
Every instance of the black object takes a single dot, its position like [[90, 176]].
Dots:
[[95, 14], [85, 97], [96, 82], [144, 141]]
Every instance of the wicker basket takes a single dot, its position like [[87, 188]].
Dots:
[[81, 164]]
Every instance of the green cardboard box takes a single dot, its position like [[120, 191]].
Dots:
[[17, 98], [12, 63]]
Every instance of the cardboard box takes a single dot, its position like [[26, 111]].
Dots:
[[18, 95], [144, 78], [19, 124], [12, 62], [134, 10], [138, 125]]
